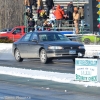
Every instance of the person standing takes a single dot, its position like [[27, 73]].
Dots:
[[35, 4], [81, 12], [39, 7], [31, 4], [31, 24], [76, 18], [28, 3], [59, 14], [52, 17], [39, 4], [49, 4], [70, 9]]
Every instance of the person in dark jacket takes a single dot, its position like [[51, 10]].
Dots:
[[49, 4], [70, 10], [28, 14], [35, 4], [31, 24], [29, 3]]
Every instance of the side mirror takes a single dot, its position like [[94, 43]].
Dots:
[[34, 40]]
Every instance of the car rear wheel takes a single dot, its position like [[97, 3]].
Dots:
[[43, 56], [17, 56]]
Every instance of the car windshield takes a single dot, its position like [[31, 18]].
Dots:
[[52, 37], [6, 30]]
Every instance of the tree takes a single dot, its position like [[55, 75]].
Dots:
[[11, 13]]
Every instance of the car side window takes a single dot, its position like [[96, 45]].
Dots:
[[61, 37], [26, 37], [34, 37], [18, 30], [42, 37]]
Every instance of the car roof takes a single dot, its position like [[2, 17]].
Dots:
[[37, 32]]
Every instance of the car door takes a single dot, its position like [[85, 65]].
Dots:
[[17, 34], [23, 46], [33, 46]]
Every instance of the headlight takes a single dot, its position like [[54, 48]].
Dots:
[[81, 47], [55, 47]]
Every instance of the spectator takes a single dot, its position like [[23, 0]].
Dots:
[[29, 3], [76, 18], [39, 4], [53, 9], [35, 4], [42, 14], [81, 12], [31, 24], [26, 3], [49, 4], [65, 17], [28, 14], [39, 23], [41, 18], [39, 7], [59, 14], [52, 17], [70, 9], [47, 25]]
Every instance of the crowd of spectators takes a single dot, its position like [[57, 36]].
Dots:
[[52, 17]]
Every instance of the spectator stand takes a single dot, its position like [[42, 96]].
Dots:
[[65, 29]]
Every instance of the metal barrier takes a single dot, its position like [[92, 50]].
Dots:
[[84, 36]]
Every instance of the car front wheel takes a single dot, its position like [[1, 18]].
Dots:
[[43, 56], [17, 56]]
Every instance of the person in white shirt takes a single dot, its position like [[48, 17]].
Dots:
[[52, 17]]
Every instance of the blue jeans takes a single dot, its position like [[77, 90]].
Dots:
[[59, 24]]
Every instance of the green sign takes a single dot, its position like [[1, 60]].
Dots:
[[85, 78], [98, 19], [86, 69], [86, 62]]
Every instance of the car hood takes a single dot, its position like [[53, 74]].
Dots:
[[63, 43]]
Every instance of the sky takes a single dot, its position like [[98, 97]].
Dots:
[[6, 54]]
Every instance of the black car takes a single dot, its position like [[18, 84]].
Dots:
[[47, 45]]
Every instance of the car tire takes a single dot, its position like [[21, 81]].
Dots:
[[43, 56], [17, 56], [50, 60], [87, 41]]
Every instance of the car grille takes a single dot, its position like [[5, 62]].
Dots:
[[71, 47]]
